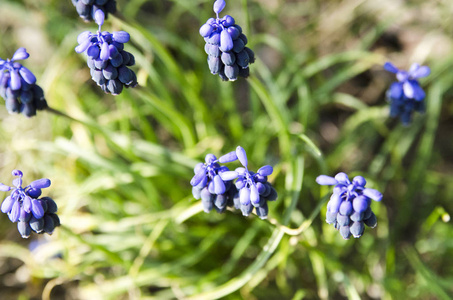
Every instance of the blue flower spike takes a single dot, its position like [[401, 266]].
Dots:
[[87, 8], [406, 95], [349, 207], [228, 55], [212, 183], [18, 86], [24, 207], [106, 57], [254, 189]]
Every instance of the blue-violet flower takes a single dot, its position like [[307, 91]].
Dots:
[[349, 206], [106, 58], [24, 206], [208, 185], [406, 95], [225, 45], [253, 188], [18, 86]]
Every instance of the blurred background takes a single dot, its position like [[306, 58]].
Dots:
[[314, 104]]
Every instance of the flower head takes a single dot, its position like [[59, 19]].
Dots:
[[24, 206], [214, 191], [106, 57], [18, 86], [225, 45], [406, 95], [349, 206], [87, 8], [213, 184], [253, 188]]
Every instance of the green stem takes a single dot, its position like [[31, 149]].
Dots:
[[62, 114]]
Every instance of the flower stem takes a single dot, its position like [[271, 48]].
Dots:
[[299, 230], [62, 114]]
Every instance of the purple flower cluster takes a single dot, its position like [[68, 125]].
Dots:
[[213, 184], [210, 187], [87, 8], [107, 59], [25, 207], [225, 45], [406, 95], [349, 206], [18, 86]]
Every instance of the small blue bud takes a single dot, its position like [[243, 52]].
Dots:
[[371, 221], [244, 195], [360, 204], [359, 180], [246, 209], [357, 229], [219, 5], [4, 188], [99, 17], [342, 178], [121, 37], [326, 180], [24, 229], [373, 194], [27, 75], [37, 209], [242, 156], [228, 175], [37, 225], [206, 30], [346, 208], [226, 42], [262, 211], [254, 195], [20, 54], [40, 183], [343, 220], [219, 186], [49, 224], [228, 21], [26, 204], [7, 204], [345, 232], [331, 217], [14, 214], [229, 157]]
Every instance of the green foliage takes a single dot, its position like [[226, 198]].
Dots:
[[314, 104]]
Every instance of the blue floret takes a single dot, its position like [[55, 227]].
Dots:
[[406, 95], [18, 86], [225, 45], [24, 206], [349, 206], [107, 59]]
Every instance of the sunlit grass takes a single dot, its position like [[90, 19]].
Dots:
[[314, 104]]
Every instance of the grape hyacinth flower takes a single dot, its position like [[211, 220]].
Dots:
[[208, 184], [406, 95], [25, 207], [87, 8], [253, 188], [225, 45], [106, 57], [349, 206], [18, 86]]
